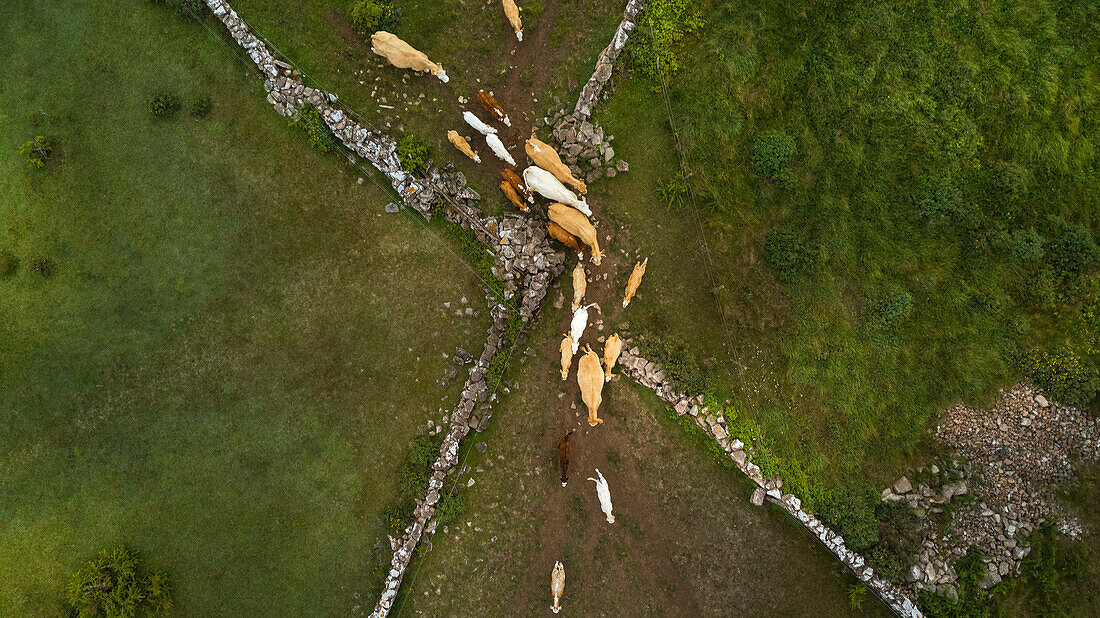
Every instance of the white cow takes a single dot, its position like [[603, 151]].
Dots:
[[551, 188], [477, 124], [604, 494], [498, 148], [576, 327]]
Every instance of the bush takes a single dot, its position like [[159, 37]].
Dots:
[[681, 368], [673, 191], [164, 105], [369, 16], [1026, 245], [42, 266], [899, 539], [320, 136], [413, 475], [111, 585], [37, 151], [850, 511], [892, 308], [1063, 375], [396, 517], [1009, 181], [787, 254], [200, 107], [939, 198], [1074, 253], [771, 154], [415, 153], [655, 49], [450, 507]]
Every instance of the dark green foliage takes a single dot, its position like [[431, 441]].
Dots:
[[476, 256], [654, 50], [164, 105], [681, 368], [673, 192], [899, 538], [396, 517], [787, 254], [320, 136], [186, 8], [1026, 245], [771, 154], [200, 107], [112, 585], [1063, 375], [37, 151], [1009, 181], [43, 266], [415, 153], [1073, 252], [850, 511], [369, 16], [413, 476], [450, 507], [940, 200], [891, 309]]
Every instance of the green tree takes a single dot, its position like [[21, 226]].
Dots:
[[112, 585], [772, 153], [37, 151]]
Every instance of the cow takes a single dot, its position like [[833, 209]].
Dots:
[[477, 124], [578, 225], [462, 145], [604, 495], [577, 325], [634, 281], [557, 585], [510, 193], [511, 11], [403, 56], [567, 351], [579, 286], [611, 350], [559, 234], [498, 148], [590, 381], [547, 158], [489, 102], [565, 455], [538, 179], [517, 184]]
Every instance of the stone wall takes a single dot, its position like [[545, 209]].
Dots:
[[652, 375], [606, 60]]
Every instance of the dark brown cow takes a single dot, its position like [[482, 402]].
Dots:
[[489, 102], [517, 183], [565, 454]]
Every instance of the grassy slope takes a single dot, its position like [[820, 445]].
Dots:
[[235, 341]]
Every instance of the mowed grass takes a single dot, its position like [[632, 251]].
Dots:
[[879, 100], [236, 344]]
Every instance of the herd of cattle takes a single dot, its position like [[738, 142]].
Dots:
[[568, 223]]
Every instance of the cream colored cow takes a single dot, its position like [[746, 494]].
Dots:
[[603, 492], [578, 225], [611, 350], [590, 381], [511, 11], [557, 585], [462, 145], [567, 349], [547, 158], [498, 148], [579, 286], [542, 181], [634, 281], [578, 324], [403, 56]]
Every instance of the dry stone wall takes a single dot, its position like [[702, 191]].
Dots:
[[652, 375]]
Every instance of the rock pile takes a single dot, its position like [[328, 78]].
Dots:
[[583, 145], [652, 375], [1019, 452]]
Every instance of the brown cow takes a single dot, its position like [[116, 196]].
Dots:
[[462, 145], [590, 380], [403, 56], [634, 281], [511, 11], [565, 455], [510, 193], [517, 183], [559, 234], [547, 158], [574, 222], [489, 102], [611, 350]]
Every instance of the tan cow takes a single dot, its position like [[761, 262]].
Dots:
[[510, 193], [462, 145], [489, 102], [511, 11], [574, 222], [579, 286], [559, 234], [611, 350], [557, 585], [517, 184], [403, 56], [634, 281], [590, 380], [566, 356], [547, 158]]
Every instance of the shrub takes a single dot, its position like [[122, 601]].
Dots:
[[42, 266], [771, 154], [1026, 245], [899, 538], [450, 507], [892, 308], [200, 107], [673, 191], [369, 16], [111, 585], [164, 105], [1074, 253], [850, 510], [415, 153], [320, 136], [37, 151], [413, 475], [395, 517], [183, 7], [1009, 181], [938, 198], [1063, 375], [785, 251], [655, 50], [681, 369]]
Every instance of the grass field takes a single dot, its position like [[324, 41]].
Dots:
[[235, 344]]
